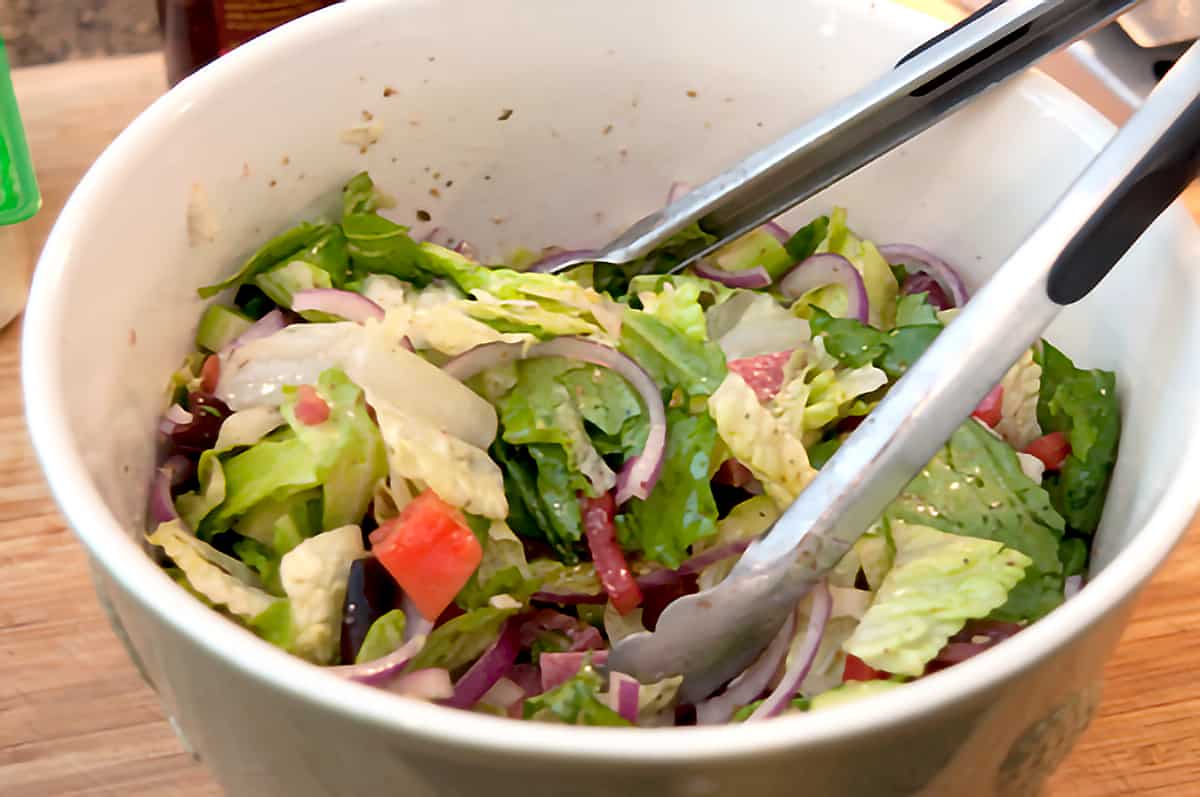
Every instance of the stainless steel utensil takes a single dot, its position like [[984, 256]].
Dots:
[[930, 83], [711, 636]]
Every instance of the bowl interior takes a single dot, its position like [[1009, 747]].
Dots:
[[534, 122]]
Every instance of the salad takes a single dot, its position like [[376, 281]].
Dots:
[[464, 483]]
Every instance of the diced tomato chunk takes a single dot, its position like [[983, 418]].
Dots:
[[858, 670], [1052, 449], [430, 550], [988, 410], [210, 373], [763, 373], [607, 555], [311, 409]]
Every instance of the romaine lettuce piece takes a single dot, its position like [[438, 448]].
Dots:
[[314, 576], [222, 580], [680, 510], [938, 582], [975, 487], [760, 441], [346, 451], [385, 635], [455, 644], [816, 391], [851, 691], [1019, 405], [671, 358], [1083, 405]]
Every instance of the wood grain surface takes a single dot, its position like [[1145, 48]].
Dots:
[[76, 719]]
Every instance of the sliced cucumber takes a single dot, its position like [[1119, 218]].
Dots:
[[219, 325]]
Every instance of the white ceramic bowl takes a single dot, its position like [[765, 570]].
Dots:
[[113, 310]]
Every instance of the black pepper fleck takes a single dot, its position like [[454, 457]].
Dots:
[[505, 114], [273, 183], [449, 183], [423, 215], [388, 91]]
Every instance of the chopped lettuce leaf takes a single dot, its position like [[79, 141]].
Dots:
[[577, 701], [882, 288], [851, 691], [295, 516], [680, 510], [677, 304], [455, 644], [385, 635], [381, 246], [617, 626], [275, 468], [938, 582], [804, 242], [1018, 407], [360, 195], [752, 323], [280, 249], [221, 579], [760, 441], [542, 298], [816, 391], [855, 344], [502, 571], [346, 451], [617, 422], [461, 474], [671, 358], [541, 409], [540, 491], [1083, 405], [975, 487], [247, 427], [914, 309], [314, 576]]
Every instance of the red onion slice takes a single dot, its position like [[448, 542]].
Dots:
[[558, 668], [582, 635], [934, 293], [555, 257], [825, 269], [346, 304], [383, 670], [162, 507], [639, 473], [750, 279], [800, 657], [269, 324], [746, 688], [431, 684], [781, 234], [914, 258], [623, 694], [494, 664]]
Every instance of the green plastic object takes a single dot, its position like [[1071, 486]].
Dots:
[[19, 195]]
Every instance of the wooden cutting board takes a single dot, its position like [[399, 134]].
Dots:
[[76, 719]]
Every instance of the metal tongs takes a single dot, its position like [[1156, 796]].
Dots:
[[711, 636]]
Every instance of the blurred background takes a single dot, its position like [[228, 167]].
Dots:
[[47, 31]]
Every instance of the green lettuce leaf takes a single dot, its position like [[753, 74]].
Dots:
[[817, 391], [937, 583], [314, 576], [975, 487], [1082, 405], [540, 409], [851, 691], [855, 344], [503, 570], [677, 304], [385, 635], [671, 358], [577, 701], [360, 195], [222, 580], [277, 251], [346, 451], [680, 510], [540, 489], [744, 523], [455, 644]]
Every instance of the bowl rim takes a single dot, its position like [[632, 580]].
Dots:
[[125, 562]]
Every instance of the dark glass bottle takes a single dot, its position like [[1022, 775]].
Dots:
[[196, 32]]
